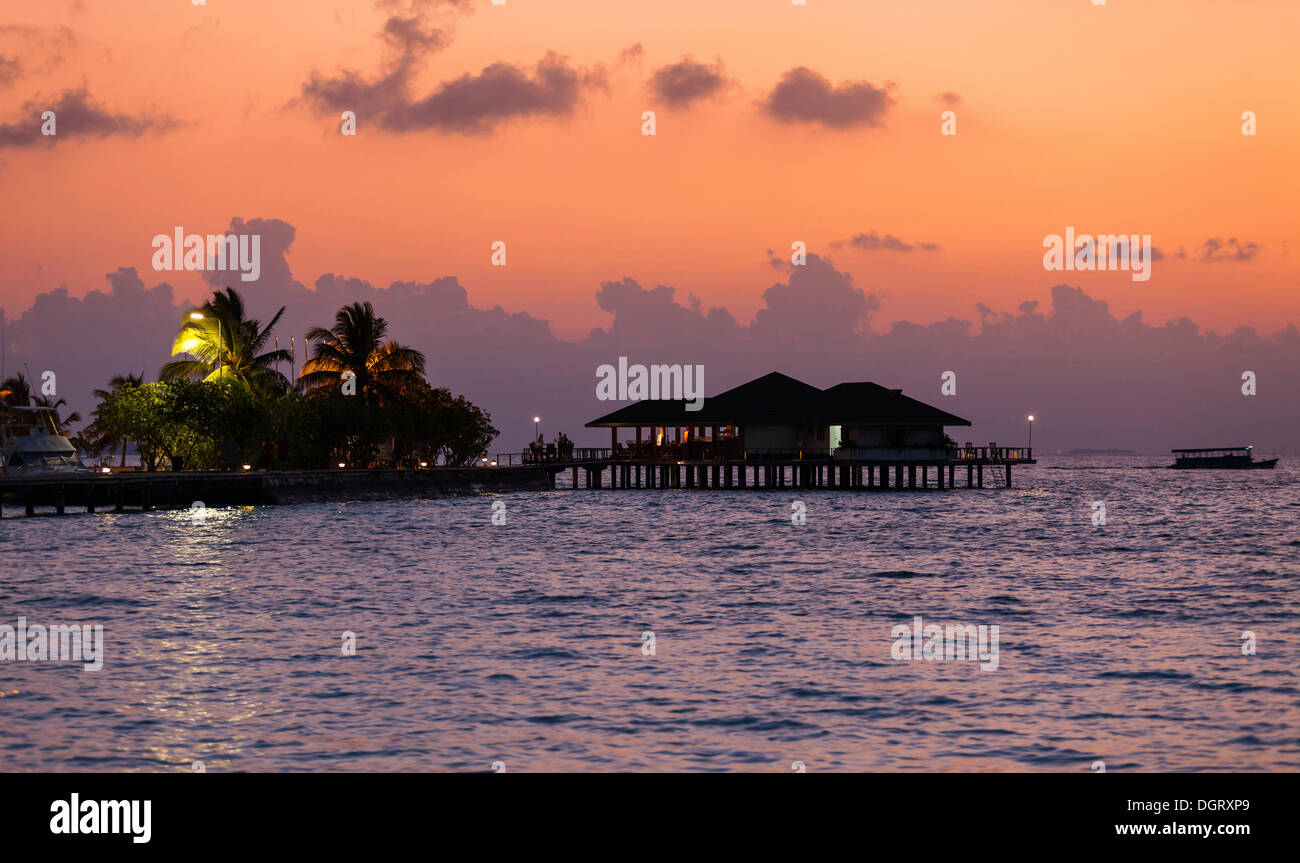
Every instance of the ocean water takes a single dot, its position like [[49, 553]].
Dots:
[[522, 643]]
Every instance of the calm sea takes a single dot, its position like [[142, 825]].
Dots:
[[525, 642]]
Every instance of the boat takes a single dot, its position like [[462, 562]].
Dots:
[[31, 444], [1220, 458]]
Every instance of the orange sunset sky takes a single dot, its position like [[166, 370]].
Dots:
[[1122, 118]]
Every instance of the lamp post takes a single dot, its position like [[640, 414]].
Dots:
[[537, 427], [221, 360], [1031, 432]]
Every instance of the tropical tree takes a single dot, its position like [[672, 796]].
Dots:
[[216, 342], [435, 427], [98, 436], [186, 422], [385, 371], [60, 423], [16, 391]]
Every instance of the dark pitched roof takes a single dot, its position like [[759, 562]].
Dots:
[[777, 399], [865, 402]]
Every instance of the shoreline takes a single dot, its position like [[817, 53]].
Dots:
[[147, 490]]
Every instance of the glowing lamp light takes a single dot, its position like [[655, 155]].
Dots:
[[1031, 417], [105, 470], [424, 464], [537, 419], [248, 467], [196, 316], [494, 464], [341, 464]]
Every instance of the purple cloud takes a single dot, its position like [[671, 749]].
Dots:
[[873, 242], [1216, 249], [10, 70], [804, 96], [77, 115], [687, 81]]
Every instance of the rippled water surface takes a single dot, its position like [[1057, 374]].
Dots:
[[522, 643]]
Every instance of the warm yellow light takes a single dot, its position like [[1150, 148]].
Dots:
[[424, 464], [248, 467], [340, 464], [106, 470], [195, 316], [494, 464]]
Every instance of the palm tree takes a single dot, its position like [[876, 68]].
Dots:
[[16, 391], [218, 343], [100, 438], [384, 369], [60, 423]]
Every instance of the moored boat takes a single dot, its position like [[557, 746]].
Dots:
[[1220, 458], [30, 443]]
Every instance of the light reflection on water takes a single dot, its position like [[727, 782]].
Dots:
[[522, 642]]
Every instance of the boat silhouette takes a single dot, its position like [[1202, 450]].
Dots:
[[1220, 458]]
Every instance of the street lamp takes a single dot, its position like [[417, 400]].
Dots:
[[537, 427], [221, 357], [1031, 430]]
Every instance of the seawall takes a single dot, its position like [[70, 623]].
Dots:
[[180, 489]]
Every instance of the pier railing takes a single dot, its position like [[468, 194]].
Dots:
[[991, 453], [727, 451]]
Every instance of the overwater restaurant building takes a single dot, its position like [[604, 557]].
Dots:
[[776, 416]]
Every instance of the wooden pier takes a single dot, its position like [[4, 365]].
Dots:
[[149, 490], [776, 432], [619, 469]]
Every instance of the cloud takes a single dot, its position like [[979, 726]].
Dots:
[[687, 81], [872, 242], [11, 69], [1068, 357], [631, 54], [77, 115], [804, 96], [422, 6], [43, 46], [949, 99], [816, 306], [477, 103], [413, 36], [1216, 249], [470, 104]]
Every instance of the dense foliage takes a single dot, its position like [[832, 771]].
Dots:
[[223, 404]]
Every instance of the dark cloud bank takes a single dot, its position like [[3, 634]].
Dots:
[[1094, 380], [469, 104], [688, 81], [77, 115]]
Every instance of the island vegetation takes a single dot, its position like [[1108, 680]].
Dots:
[[362, 400]]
